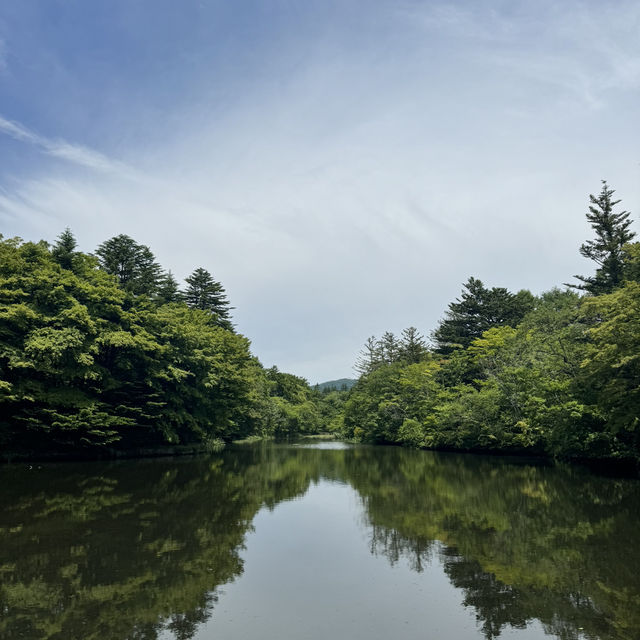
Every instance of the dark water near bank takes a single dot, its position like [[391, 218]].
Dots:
[[292, 542]]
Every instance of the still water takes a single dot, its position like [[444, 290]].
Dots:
[[318, 542]]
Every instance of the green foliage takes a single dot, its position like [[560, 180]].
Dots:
[[410, 348], [133, 264], [330, 409], [167, 289], [206, 294], [612, 363], [51, 364], [477, 310], [631, 259], [382, 401], [413, 346], [562, 383], [606, 250], [203, 379], [292, 405], [89, 360], [63, 250], [557, 375], [86, 365]]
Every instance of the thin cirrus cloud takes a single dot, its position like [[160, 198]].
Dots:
[[346, 181], [582, 48], [73, 153]]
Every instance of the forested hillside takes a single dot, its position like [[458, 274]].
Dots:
[[343, 384], [106, 351], [556, 374]]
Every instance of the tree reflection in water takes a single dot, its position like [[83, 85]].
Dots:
[[138, 549]]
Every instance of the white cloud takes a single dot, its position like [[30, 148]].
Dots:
[[358, 194], [76, 154], [576, 48]]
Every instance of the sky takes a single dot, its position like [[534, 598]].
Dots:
[[341, 166]]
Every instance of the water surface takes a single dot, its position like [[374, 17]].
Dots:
[[322, 541]]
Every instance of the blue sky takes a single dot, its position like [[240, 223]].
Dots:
[[342, 167]]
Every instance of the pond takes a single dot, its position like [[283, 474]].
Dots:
[[318, 542]]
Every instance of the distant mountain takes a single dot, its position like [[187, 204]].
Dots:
[[335, 384]]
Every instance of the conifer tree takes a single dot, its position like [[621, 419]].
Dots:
[[477, 310], [390, 346], [413, 347], [133, 264], [606, 250], [203, 292], [64, 249], [167, 289], [369, 358]]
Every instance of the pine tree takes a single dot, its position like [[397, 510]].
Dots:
[[477, 310], [390, 346], [413, 347], [606, 250], [133, 264], [410, 348], [203, 292], [148, 272], [167, 289], [369, 358], [64, 249]]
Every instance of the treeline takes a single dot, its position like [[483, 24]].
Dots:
[[107, 351], [556, 374]]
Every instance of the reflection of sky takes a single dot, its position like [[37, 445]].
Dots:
[[305, 578], [342, 167], [324, 445]]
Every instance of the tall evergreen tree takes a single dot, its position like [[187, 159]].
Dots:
[[390, 347], [203, 292], [606, 250], [64, 249], [167, 289], [413, 347], [409, 348], [133, 264], [477, 310], [369, 358], [148, 272]]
